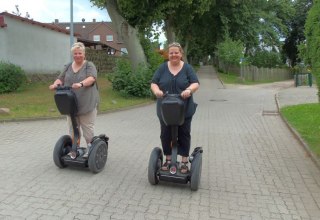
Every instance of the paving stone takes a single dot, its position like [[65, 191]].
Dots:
[[253, 166]]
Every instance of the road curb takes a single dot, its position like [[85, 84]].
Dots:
[[313, 156]]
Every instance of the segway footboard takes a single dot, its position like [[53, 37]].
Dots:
[[175, 178], [78, 161]]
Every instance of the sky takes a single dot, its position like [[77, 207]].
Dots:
[[47, 11]]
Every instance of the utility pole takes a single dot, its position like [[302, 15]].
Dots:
[[71, 26]]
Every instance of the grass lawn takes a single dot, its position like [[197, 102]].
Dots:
[[36, 101], [306, 121]]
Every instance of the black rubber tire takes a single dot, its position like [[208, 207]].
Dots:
[[61, 149], [98, 156], [196, 167], [155, 162]]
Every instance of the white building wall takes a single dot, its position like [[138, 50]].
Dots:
[[34, 48]]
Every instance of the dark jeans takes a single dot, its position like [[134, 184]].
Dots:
[[184, 138]]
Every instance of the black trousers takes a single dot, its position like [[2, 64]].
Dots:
[[184, 138]]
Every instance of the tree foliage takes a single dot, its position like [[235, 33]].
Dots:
[[177, 16], [256, 23], [201, 25], [264, 58], [312, 47], [230, 52], [296, 30]]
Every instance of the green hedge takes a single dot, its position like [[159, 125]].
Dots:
[[11, 77]]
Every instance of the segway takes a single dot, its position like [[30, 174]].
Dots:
[[66, 151], [172, 112]]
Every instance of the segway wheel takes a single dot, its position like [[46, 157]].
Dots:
[[98, 156], [61, 149], [196, 167], [155, 161]]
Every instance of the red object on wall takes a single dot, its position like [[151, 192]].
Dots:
[[2, 24]]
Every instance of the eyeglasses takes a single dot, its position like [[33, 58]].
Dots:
[[174, 44], [78, 44]]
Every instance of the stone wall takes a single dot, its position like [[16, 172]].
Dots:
[[103, 62]]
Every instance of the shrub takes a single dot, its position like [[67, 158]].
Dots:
[[136, 82], [131, 82], [139, 82], [267, 59], [11, 77], [120, 74]]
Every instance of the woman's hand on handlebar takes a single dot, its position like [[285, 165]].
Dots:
[[186, 93], [159, 94], [53, 86], [76, 85], [56, 84]]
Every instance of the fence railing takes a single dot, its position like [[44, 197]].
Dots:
[[256, 74]]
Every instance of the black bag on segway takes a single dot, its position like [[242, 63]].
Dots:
[[172, 110], [66, 101]]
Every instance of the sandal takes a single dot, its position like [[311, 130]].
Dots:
[[184, 167], [165, 166]]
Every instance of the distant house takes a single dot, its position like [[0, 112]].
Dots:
[[98, 34], [36, 47]]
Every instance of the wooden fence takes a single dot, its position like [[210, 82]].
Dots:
[[256, 74]]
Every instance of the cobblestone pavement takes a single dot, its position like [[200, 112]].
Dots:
[[253, 167]]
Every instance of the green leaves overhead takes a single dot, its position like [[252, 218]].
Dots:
[[203, 24], [312, 47]]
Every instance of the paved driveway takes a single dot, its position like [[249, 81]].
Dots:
[[253, 167]]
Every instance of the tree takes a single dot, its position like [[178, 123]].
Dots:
[[265, 58], [312, 33], [230, 52], [138, 16], [128, 33], [296, 30], [255, 23]]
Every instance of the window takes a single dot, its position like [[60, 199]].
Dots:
[[96, 37], [110, 51], [124, 51], [109, 38], [67, 28]]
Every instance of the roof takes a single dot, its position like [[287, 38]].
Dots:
[[78, 27], [89, 43], [32, 22]]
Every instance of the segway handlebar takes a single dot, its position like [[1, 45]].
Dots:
[[175, 95], [61, 87]]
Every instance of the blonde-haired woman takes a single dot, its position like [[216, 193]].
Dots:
[[176, 77], [81, 75]]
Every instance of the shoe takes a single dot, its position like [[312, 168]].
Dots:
[[165, 166], [184, 167], [72, 154], [86, 154]]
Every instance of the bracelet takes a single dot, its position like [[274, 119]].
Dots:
[[81, 84]]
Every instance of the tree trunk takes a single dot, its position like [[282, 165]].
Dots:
[[127, 33], [185, 50], [170, 34]]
